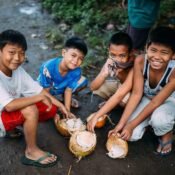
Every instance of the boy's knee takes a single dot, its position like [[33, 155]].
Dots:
[[158, 120], [161, 124], [137, 134], [30, 112]]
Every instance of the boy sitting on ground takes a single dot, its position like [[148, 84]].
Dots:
[[62, 75], [22, 100], [152, 100], [118, 65]]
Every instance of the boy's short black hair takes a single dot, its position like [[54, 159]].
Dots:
[[121, 38], [76, 43], [12, 37], [162, 35]]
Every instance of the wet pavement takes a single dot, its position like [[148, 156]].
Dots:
[[28, 17]]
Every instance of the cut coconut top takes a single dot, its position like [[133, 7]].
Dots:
[[86, 139], [74, 123]]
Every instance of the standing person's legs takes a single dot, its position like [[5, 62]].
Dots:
[[138, 36], [162, 121]]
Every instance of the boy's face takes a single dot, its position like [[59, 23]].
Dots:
[[72, 58], [11, 57], [159, 55], [119, 53]]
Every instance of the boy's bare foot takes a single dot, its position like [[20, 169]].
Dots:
[[37, 157]]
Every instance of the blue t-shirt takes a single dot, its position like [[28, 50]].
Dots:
[[50, 77]]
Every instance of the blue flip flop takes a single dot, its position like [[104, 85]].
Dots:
[[162, 145], [37, 163]]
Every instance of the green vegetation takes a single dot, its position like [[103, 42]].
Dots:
[[94, 20]]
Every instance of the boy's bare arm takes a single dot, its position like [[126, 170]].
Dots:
[[101, 77], [113, 101], [23, 102], [137, 92], [68, 98], [56, 102]]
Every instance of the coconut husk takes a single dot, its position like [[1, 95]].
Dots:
[[68, 126], [82, 143], [101, 121], [117, 147]]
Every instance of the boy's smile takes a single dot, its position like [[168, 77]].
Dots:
[[72, 58], [159, 55], [11, 57]]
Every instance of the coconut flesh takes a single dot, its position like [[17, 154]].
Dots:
[[68, 126], [82, 143], [117, 147]]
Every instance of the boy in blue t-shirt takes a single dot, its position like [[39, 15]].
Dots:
[[62, 75]]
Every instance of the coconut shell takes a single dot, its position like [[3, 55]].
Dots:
[[115, 141], [64, 130], [101, 121], [78, 150]]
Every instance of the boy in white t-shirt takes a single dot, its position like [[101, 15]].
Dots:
[[22, 100]]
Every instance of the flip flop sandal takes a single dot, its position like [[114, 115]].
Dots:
[[75, 103], [14, 134], [162, 145], [37, 163]]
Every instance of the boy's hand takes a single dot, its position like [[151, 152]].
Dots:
[[47, 101], [91, 124], [116, 130], [70, 115], [63, 110], [105, 70], [127, 132]]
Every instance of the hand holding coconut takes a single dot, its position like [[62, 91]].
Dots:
[[124, 132], [127, 131], [116, 130], [95, 122]]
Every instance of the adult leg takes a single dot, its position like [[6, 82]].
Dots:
[[139, 36]]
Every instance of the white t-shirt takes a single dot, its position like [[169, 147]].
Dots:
[[19, 85]]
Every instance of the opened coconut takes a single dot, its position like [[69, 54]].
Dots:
[[100, 122], [67, 126], [117, 147], [82, 143]]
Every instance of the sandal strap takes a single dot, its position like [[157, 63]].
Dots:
[[166, 143], [44, 157]]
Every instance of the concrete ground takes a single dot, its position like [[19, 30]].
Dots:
[[27, 17]]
